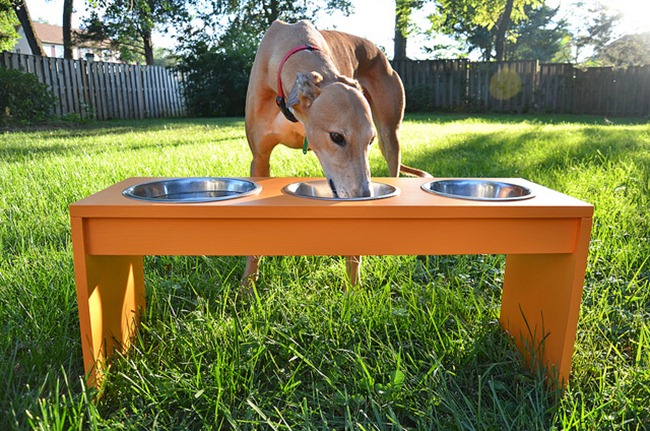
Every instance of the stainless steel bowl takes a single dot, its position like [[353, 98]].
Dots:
[[480, 190], [190, 190], [320, 189]]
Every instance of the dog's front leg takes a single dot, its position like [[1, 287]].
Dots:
[[251, 271], [352, 266]]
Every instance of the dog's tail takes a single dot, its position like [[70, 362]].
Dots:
[[414, 172]]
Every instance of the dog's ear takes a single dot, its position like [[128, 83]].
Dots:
[[351, 82], [305, 90]]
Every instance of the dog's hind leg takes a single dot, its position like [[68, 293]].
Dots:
[[385, 93], [251, 271], [383, 89], [352, 266], [260, 167]]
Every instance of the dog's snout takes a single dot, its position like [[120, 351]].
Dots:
[[331, 183], [365, 190], [362, 191]]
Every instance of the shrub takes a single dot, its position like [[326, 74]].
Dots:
[[23, 98], [216, 80], [419, 98], [217, 71]]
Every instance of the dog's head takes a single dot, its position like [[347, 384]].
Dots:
[[339, 128]]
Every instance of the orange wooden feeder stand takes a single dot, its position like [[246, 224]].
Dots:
[[545, 240]]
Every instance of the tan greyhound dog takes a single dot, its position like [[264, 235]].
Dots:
[[339, 87]]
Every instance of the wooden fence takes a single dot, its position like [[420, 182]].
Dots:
[[525, 86], [112, 90], [105, 90]]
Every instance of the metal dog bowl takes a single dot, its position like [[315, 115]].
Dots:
[[189, 190], [320, 189], [480, 190]]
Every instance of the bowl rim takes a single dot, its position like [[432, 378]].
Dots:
[[287, 190], [255, 189], [528, 192]]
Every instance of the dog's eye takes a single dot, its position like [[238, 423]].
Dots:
[[337, 138]]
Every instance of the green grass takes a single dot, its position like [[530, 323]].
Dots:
[[418, 347]]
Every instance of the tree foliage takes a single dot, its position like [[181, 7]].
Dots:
[[220, 16], [218, 50], [542, 36], [480, 23], [629, 50], [8, 21], [128, 25], [596, 28]]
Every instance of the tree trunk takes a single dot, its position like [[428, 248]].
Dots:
[[20, 7], [148, 48], [400, 46], [67, 29], [502, 29], [146, 34], [400, 39]]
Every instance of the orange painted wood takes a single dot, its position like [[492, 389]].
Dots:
[[545, 239]]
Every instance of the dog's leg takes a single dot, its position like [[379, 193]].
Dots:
[[260, 167], [385, 93], [251, 273], [389, 146], [352, 266]]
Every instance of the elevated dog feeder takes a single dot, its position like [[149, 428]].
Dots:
[[545, 238]]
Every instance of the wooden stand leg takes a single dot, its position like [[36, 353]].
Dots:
[[110, 293], [540, 307], [541, 304]]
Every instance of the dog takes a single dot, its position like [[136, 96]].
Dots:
[[335, 93]]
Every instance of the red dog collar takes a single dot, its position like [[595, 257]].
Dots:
[[282, 104]]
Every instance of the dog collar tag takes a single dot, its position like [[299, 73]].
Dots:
[[305, 146]]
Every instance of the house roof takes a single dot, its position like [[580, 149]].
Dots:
[[49, 33], [53, 34]]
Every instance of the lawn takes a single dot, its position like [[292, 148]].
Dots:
[[417, 347]]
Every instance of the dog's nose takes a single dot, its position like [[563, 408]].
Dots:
[[365, 190], [346, 193]]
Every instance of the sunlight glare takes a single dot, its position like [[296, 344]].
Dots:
[[635, 14]]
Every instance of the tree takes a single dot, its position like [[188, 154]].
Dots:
[[129, 24], [403, 25], [629, 50], [8, 21], [20, 8], [217, 51], [501, 26], [67, 29], [596, 29], [481, 24], [541, 37], [257, 15]]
